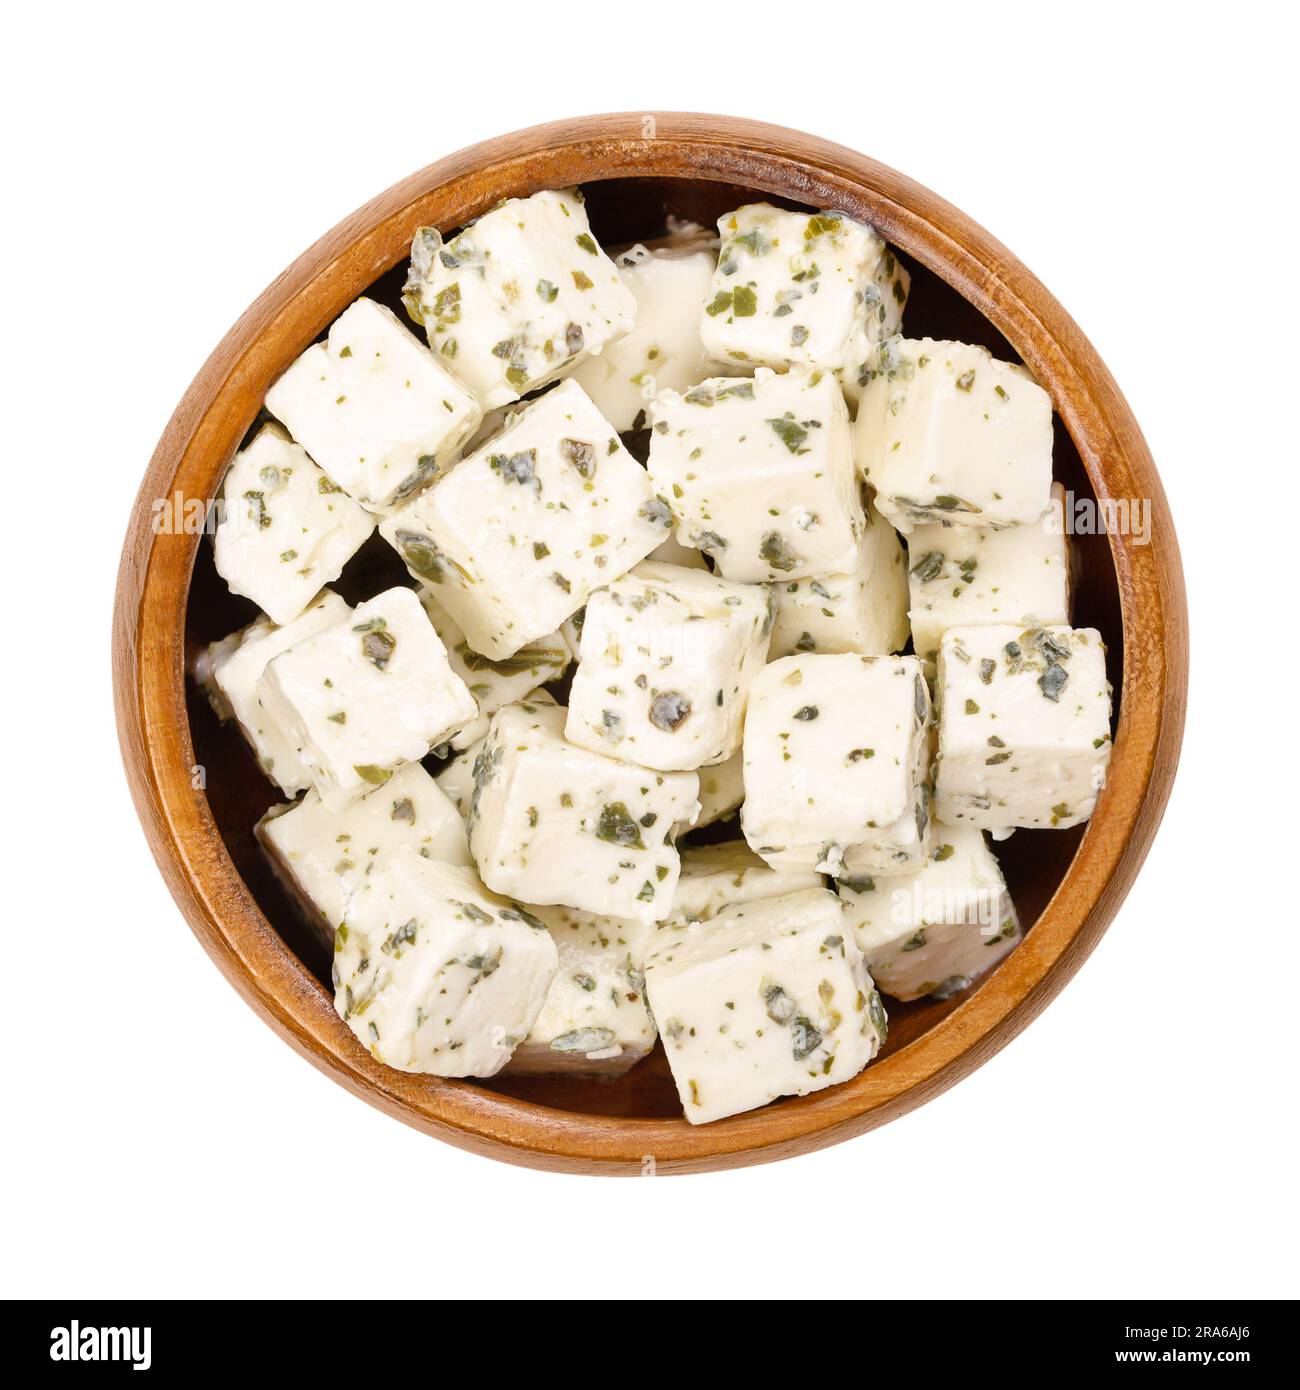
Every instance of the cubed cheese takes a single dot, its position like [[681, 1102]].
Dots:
[[1024, 726], [947, 433], [374, 408], [962, 576], [456, 779], [595, 1021], [863, 612], [322, 855], [231, 669], [668, 657], [938, 929], [663, 351], [722, 789], [759, 473], [714, 876], [498, 682], [515, 539], [798, 289], [886, 297], [519, 297], [435, 974], [673, 552], [836, 755], [285, 530], [555, 824], [768, 999], [571, 631], [369, 693]]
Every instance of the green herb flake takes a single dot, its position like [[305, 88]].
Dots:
[[790, 432], [369, 772], [616, 826]]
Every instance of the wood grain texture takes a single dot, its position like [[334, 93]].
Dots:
[[966, 285]]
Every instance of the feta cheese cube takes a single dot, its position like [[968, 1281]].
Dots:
[[759, 473], [663, 351], [494, 683], [374, 407], [555, 824], [836, 754], [722, 789], [962, 576], [322, 856], [595, 1021], [935, 931], [1024, 726], [714, 876], [798, 289], [515, 539], [946, 433], [519, 296], [285, 529], [231, 669], [886, 297], [571, 631], [435, 974], [863, 612], [673, 552], [456, 779], [668, 657], [364, 696], [768, 999]]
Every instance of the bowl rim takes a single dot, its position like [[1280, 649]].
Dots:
[[212, 418]]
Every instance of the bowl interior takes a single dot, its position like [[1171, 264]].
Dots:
[[625, 210]]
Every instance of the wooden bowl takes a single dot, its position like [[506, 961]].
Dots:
[[635, 169]]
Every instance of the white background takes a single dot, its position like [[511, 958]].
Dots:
[[164, 164]]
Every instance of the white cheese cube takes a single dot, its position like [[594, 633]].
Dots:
[[668, 658], [494, 683], [836, 753], [714, 876], [322, 856], [673, 552], [962, 576], [515, 539], [595, 1021], [945, 432], [456, 779], [768, 999], [555, 824], [519, 297], [571, 631], [435, 974], [663, 351], [798, 289], [1024, 726], [369, 693], [863, 612], [285, 529], [883, 320], [759, 473], [374, 407], [231, 670], [935, 931], [722, 789]]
